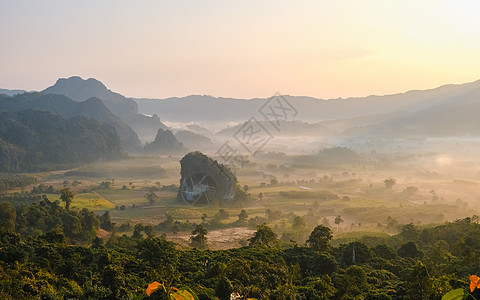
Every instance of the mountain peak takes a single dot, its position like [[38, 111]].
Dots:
[[77, 88]]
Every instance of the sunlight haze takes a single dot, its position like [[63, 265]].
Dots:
[[248, 49]]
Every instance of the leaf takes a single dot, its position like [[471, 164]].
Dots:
[[183, 294], [458, 294], [474, 282], [152, 287]]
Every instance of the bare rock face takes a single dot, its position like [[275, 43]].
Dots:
[[204, 180]]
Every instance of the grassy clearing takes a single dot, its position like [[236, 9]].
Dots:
[[90, 200]]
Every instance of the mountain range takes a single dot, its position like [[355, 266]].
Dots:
[[446, 111], [449, 110]]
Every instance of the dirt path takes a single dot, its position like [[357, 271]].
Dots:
[[217, 239]]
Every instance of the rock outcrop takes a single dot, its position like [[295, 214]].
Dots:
[[204, 180]]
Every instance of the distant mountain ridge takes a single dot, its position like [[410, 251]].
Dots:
[[79, 89], [11, 92], [203, 108], [442, 111]]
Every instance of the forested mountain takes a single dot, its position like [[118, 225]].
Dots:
[[79, 89], [67, 108], [32, 139]]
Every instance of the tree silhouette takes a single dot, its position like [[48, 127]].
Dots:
[[390, 182], [338, 220], [264, 236], [66, 195], [151, 197], [199, 238]]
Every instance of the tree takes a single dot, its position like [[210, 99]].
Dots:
[[338, 220], [418, 283], [325, 222], [355, 253], [298, 223], [8, 215], [224, 289], [151, 197], [150, 231], [66, 195], [260, 196], [242, 217], [161, 255], [113, 278], [409, 233], [137, 231], [354, 282], [384, 251], [320, 237], [390, 182], [264, 236], [105, 222], [222, 214], [199, 237], [409, 250]]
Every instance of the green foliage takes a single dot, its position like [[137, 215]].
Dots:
[[105, 222], [199, 237], [46, 217], [52, 253], [66, 195], [8, 216], [264, 236], [320, 237], [418, 283], [457, 294], [224, 289], [410, 250]]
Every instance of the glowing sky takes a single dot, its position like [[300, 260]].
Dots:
[[242, 49]]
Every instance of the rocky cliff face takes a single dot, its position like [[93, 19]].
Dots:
[[204, 180]]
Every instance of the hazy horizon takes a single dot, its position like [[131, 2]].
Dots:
[[318, 49]]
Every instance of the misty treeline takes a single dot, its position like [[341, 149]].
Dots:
[[47, 252]]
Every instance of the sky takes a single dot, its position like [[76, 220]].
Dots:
[[241, 49]]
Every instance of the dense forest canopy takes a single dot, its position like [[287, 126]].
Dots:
[[48, 252]]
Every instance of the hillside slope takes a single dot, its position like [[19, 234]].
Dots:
[[31, 139]]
